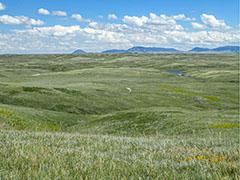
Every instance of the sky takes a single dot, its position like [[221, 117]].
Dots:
[[62, 26]]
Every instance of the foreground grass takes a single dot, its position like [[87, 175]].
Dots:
[[26, 155]]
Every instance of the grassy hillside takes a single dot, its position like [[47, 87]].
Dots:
[[99, 116]]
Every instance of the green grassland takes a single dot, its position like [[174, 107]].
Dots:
[[119, 116]]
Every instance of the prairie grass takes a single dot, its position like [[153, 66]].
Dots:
[[73, 117]]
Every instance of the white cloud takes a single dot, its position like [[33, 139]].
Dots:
[[212, 21], [59, 13], [92, 24], [17, 20], [134, 20], [153, 22], [54, 13], [164, 22], [203, 38], [56, 30], [183, 17], [198, 26], [112, 17], [105, 36], [78, 17], [60, 39], [2, 6], [154, 19], [43, 11]]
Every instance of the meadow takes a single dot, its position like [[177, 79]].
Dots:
[[119, 116]]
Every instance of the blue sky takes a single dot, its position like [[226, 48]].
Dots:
[[95, 25]]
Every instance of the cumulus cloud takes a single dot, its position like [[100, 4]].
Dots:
[[79, 18], [43, 11], [134, 20], [112, 17], [212, 21], [198, 26], [18, 20], [183, 17], [154, 22], [54, 13], [2, 6], [105, 36], [93, 24], [59, 13], [57, 30], [157, 20]]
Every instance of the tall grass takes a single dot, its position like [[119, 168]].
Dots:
[[27, 155]]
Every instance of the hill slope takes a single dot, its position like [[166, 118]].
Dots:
[[133, 89]]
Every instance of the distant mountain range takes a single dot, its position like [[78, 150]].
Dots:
[[199, 49], [114, 51], [141, 49], [233, 49]]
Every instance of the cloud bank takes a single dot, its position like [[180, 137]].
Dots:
[[177, 31]]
